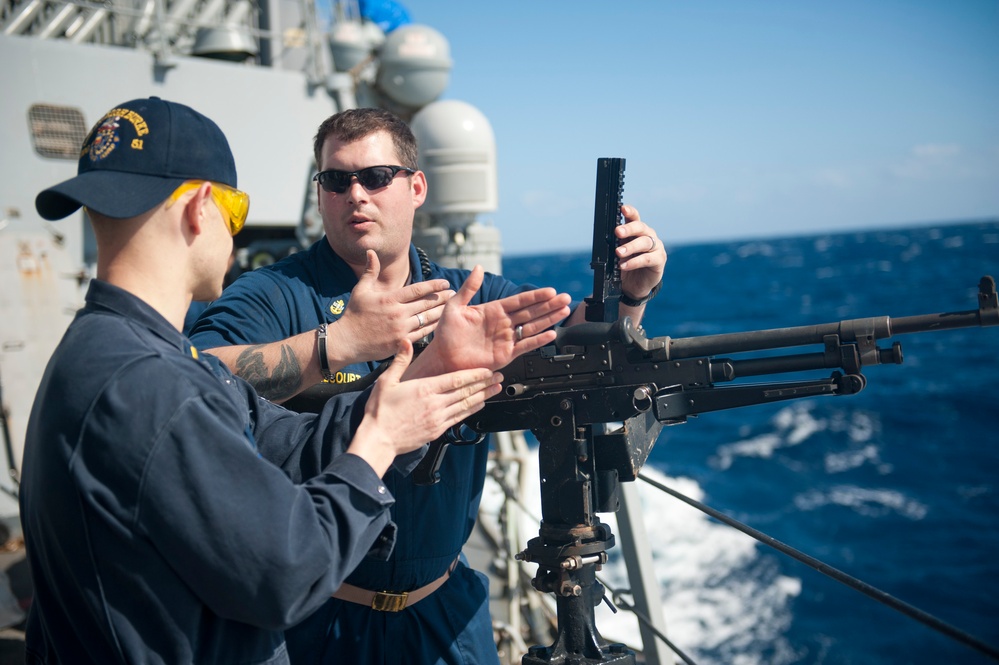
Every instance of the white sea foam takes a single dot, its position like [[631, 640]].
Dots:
[[721, 259], [722, 601], [911, 252], [762, 446], [792, 426], [839, 462], [796, 424], [864, 501]]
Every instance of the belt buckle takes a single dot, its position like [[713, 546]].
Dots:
[[386, 601]]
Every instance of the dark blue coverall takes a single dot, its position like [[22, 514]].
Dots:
[[156, 529], [452, 626]]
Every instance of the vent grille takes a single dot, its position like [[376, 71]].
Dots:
[[57, 131]]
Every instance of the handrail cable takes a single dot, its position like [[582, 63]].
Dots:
[[618, 600], [838, 575]]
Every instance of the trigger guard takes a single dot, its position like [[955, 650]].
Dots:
[[454, 435]]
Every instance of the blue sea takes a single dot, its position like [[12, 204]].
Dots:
[[897, 486]]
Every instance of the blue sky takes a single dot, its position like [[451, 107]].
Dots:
[[737, 118]]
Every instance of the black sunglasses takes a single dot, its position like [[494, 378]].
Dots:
[[373, 177]]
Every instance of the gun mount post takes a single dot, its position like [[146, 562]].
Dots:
[[572, 543]]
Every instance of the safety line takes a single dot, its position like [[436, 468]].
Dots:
[[618, 600]]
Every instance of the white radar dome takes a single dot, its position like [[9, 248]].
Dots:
[[458, 154], [348, 45], [414, 65]]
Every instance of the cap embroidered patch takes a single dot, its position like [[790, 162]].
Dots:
[[105, 139], [106, 136]]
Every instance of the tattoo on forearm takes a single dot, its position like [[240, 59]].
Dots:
[[287, 376], [280, 384], [250, 365]]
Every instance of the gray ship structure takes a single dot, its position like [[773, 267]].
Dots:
[[269, 73]]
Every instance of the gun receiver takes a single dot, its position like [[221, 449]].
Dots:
[[612, 372]]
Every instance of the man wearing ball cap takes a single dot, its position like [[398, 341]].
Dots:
[[157, 527]]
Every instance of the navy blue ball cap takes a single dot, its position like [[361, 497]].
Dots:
[[136, 155]]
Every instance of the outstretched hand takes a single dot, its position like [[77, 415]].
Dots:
[[400, 416], [486, 335], [375, 320]]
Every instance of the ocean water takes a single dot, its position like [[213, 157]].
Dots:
[[897, 486]]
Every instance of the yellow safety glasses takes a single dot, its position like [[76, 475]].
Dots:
[[233, 203]]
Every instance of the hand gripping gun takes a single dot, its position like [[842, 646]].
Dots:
[[599, 374]]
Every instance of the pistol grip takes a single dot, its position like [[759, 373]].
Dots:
[[428, 471]]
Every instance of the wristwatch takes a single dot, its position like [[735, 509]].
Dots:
[[636, 302], [324, 361]]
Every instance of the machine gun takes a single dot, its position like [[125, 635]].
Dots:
[[599, 374], [603, 373]]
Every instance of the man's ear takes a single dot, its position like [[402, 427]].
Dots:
[[194, 209], [419, 188]]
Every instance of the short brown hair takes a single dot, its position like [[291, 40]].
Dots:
[[355, 124]]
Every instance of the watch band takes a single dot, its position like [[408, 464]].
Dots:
[[636, 302], [324, 361]]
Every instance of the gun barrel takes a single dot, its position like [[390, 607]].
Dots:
[[945, 321], [854, 330], [778, 338]]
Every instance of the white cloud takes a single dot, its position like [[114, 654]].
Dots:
[[833, 178], [936, 150], [932, 161]]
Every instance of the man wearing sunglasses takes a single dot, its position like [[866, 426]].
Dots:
[[158, 524], [360, 289]]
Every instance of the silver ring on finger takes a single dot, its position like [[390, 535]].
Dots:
[[420, 321], [653, 248], [520, 333]]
